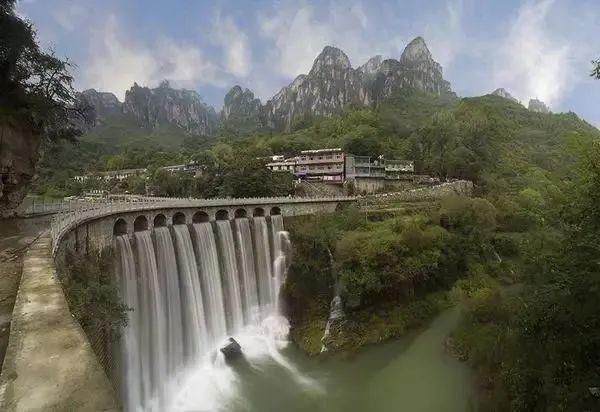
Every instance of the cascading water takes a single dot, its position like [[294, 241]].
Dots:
[[246, 260], [206, 250], [230, 276], [187, 299], [131, 390], [263, 262], [151, 318], [169, 285], [192, 308], [281, 246]]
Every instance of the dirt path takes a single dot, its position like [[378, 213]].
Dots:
[[15, 237]]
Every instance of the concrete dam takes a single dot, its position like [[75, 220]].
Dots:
[[191, 273], [191, 287]]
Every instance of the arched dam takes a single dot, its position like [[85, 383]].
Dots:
[[191, 273]]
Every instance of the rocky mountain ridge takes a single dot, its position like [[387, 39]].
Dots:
[[331, 86], [534, 105]]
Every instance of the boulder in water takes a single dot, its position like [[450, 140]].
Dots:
[[232, 350]]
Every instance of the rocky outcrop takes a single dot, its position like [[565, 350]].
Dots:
[[240, 104], [231, 350], [420, 71], [165, 106], [19, 152], [371, 67], [504, 94], [330, 86], [538, 106], [333, 85], [103, 104]]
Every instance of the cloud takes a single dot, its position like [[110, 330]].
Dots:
[[444, 34], [299, 33], [533, 61], [69, 15], [234, 42], [116, 62]]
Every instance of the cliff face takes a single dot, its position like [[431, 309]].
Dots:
[[536, 105], [19, 150], [164, 106], [332, 84], [504, 94], [240, 104]]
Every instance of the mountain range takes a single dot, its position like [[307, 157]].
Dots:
[[331, 86]]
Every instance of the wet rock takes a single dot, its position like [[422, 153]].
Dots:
[[232, 350]]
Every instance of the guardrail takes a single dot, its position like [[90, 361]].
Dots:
[[67, 219]]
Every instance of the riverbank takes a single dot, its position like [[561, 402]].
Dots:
[[367, 326]]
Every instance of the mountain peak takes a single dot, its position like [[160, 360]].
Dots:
[[240, 103], [538, 106], [503, 93], [331, 57], [372, 65], [416, 51]]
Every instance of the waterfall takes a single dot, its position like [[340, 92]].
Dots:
[[230, 276], [206, 250], [194, 321], [186, 297], [130, 359], [153, 348], [336, 307], [263, 262], [281, 246], [249, 287], [169, 284]]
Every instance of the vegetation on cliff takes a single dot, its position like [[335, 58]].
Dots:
[[37, 104], [388, 269]]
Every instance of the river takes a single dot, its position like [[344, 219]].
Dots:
[[411, 374]]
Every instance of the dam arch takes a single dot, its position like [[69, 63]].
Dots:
[[200, 217], [140, 223], [179, 219], [160, 220], [222, 214], [120, 227]]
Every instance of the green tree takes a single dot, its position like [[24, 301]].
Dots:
[[596, 70], [37, 89]]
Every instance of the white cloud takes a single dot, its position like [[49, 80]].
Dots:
[[443, 32], [69, 15], [116, 62], [533, 60], [299, 33], [358, 12], [238, 57]]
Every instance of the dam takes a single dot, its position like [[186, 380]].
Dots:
[[189, 287]]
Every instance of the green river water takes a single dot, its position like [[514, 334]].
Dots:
[[412, 374]]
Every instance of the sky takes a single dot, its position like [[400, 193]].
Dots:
[[533, 48]]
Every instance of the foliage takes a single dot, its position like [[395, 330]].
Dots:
[[37, 93], [93, 297], [540, 345], [596, 70]]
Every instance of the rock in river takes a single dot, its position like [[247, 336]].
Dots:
[[232, 350]]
